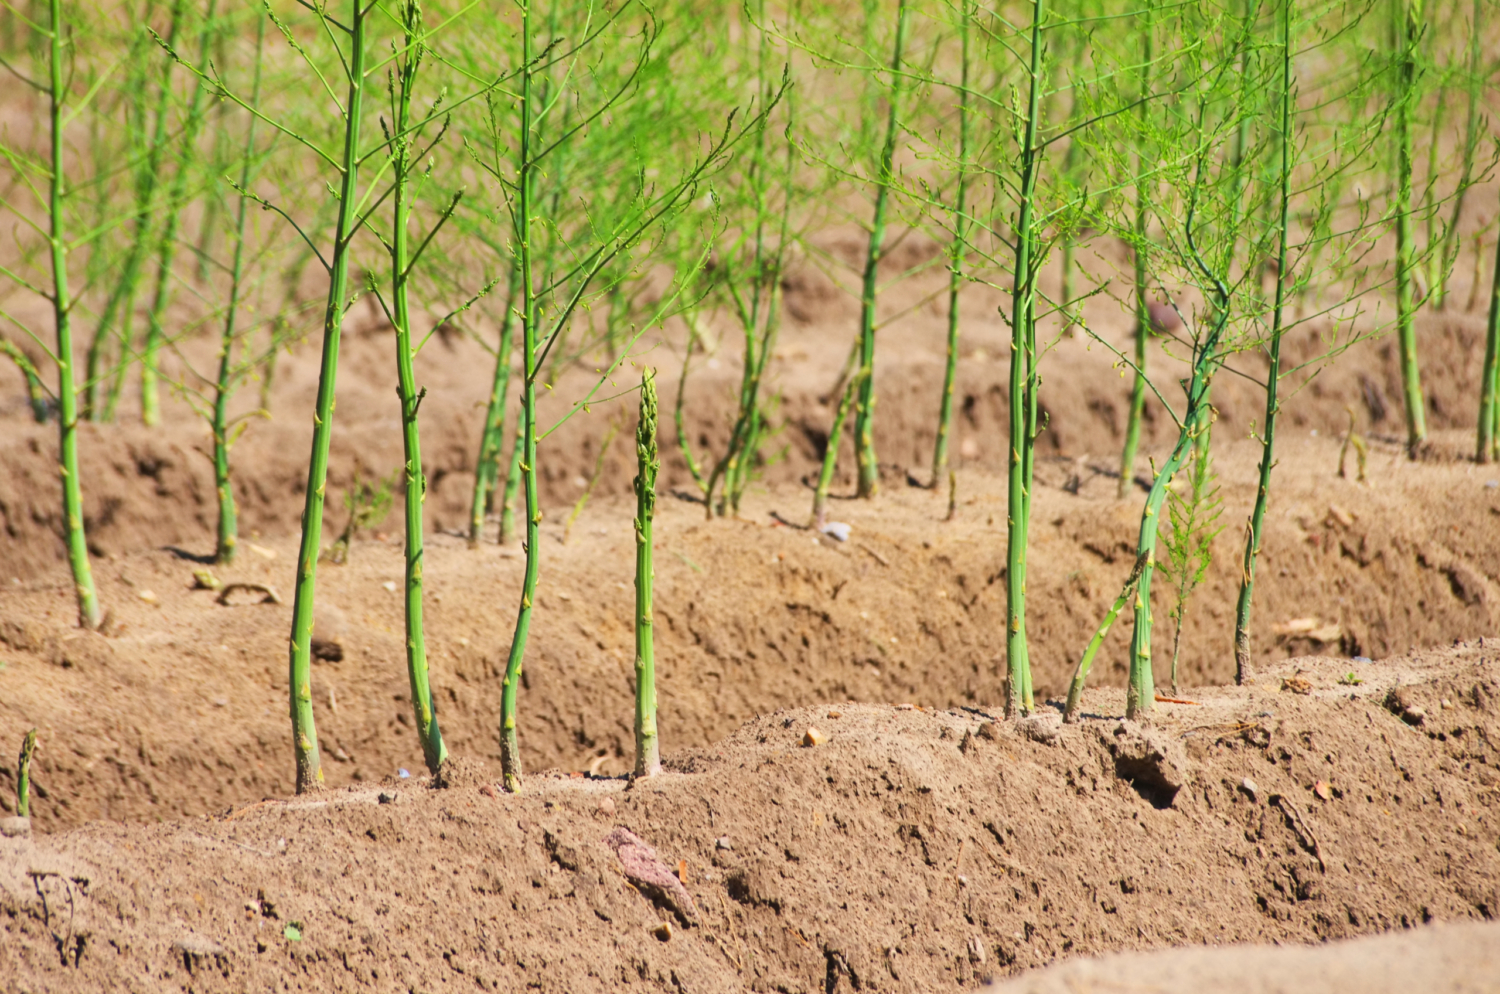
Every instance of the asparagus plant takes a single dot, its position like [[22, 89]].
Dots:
[[35, 392], [23, 775], [167, 243], [101, 385], [404, 158], [52, 199], [1407, 25], [1255, 528], [1140, 252], [957, 248], [1024, 377], [647, 744], [1488, 446], [864, 412], [492, 437]]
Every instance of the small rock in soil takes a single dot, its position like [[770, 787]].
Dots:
[[813, 737]]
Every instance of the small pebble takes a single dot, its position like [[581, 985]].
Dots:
[[1361, 659], [835, 714], [813, 737], [147, 596], [722, 842], [390, 585], [403, 773], [837, 530], [1321, 790], [1248, 786], [663, 931]]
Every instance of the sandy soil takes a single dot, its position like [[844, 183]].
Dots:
[[914, 849], [918, 848]]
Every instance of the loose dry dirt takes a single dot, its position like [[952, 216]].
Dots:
[[918, 848], [915, 849]]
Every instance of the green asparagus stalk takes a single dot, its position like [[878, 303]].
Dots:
[[166, 252], [647, 746], [1086, 661], [1256, 525], [510, 745], [864, 414], [1489, 380], [492, 439], [1408, 28], [35, 392], [228, 526], [23, 766], [512, 486], [304, 730], [956, 257], [831, 452], [400, 143], [1023, 386], [1141, 251], [89, 615]]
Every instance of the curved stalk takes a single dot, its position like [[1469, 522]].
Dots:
[[1086, 661], [647, 745], [34, 390]]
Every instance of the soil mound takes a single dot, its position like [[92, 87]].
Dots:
[[1443, 959], [913, 849]]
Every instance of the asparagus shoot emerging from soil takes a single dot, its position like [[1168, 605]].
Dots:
[[400, 142], [831, 450], [647, 747], [23, 775], [1256, 525], [224, 383], [1024, 381], [955, 258], [1086, 661], [1408, 30], [864, 414], [89, 615], [304, 729]]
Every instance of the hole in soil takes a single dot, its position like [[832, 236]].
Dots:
[[1147, 779]]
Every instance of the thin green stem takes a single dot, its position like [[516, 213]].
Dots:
[[492, 438], [510, 747], [1408, 15], [1255, 527], [864, 414], [961, 226]]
